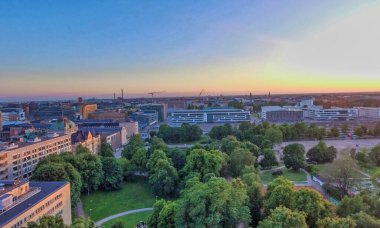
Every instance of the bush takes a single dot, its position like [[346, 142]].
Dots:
[[332, 191], [277, 173], [311, 169]]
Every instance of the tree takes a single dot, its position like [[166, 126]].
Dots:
[[283, 217], [158, 144], [274, 135], [220, 132], [334, 132], [90, 168], [82, 150], [178, 157], [254, 185], [135, 143], [236, 104], [203, 162], [364, 220], [119, 224], [375, 155], [216, 203], [112, 174], [60, 172], [140, 159], [167, 215], [359, 131], [153, 159], [269, 158], [335, 222], [47, 222], [351, 205], [106, 150], [313, 205], [154, 218], [163, 178], [294, 156], [281, 195], [321, 153], [128, 168], [83, 223], [345, 128], [229, 144], [239, 159]]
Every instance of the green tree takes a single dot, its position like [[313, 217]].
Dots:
[[375, 155], [321, 153], [236, 104], [229, 144], [90, 168], [48, 222], [345, 128], [106, 150], [294, 156], [313, 205], [359, 131], [239, 159], [216, 203], [269, 158], [167, 215], [154, 218], [164, 178], [351, 205], [274, 135], [82, 150], [283, 217], [220, 132], [281, 195], [118, 225], [112, 174], [153, 159], [203, 162], [334, 132], [178, 157], [158, 144], [254, 185], [83, 223], [335, 222], [135, 143], [140, 159], [364, 220], [60, 172], [128, 168]]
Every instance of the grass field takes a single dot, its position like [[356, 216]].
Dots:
[[290, 174], [129, 221], [327, 168], [133, 195]]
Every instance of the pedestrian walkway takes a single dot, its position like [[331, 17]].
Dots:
[[100, 222]]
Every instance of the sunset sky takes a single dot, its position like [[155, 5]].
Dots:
[[95, 48]]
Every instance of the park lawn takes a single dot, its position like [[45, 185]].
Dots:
[[327, 168], [371, 170], [133, 195], [299, 176], [129, 221]]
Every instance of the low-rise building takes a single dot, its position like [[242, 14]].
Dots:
[[368, 112], [87, 109], [214, 115], [23, 202], [18, 161], [86, 139]]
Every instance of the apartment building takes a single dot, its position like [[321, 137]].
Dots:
[[87, 139], [215, 115], [23, 202], [17, 161]]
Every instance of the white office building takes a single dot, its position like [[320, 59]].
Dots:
[[368, 112], [224, 115]]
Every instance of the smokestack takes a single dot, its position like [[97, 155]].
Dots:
[[122, 94], [114, 96]]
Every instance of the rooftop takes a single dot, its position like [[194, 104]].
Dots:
[[47, 188]]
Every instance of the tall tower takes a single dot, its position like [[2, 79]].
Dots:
[[122, 94]]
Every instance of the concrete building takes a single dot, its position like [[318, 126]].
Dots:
[[51, 112], [18, 161], [161, 109], [368, 112], [86, 109], [23, 202], [86, 139], [285, 115], [216, 115], [333, 114], [266, 109], [1, 121], [108, 114], [13, 114]]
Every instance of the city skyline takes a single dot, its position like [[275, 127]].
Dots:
[[80, 48]]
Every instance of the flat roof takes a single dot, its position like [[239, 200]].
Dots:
[[25, 144], [47, 188]]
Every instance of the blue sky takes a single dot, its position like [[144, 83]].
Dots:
[[94, 47]]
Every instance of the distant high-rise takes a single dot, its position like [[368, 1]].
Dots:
[[1, 121]]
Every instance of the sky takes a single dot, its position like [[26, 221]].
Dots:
[[88, 48]]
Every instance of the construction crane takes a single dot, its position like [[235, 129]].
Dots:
[[152, 93], [203, 90]]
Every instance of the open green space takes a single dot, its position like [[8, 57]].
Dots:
[[328, 168], [300, 176], [371, 170], [133, 195], [129, 221]]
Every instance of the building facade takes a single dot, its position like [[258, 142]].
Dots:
[[161, 109], [18, 161], [284, 116], [210, 116], [369, 112], [86, 109], [23, 202], [86, 139]]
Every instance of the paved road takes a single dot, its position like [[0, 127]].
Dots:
[[338, 144], [100, 222]]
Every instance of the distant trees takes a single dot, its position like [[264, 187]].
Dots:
[[112, 174], [135, 143], [321, 153], [220, 132], [185, 133], [106, 150], [294, 156], [236, 104]]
